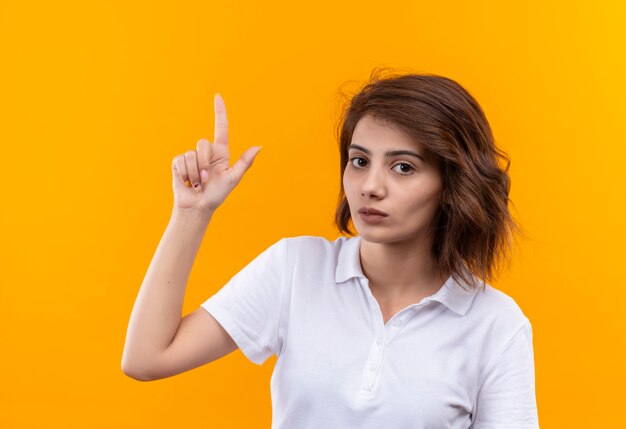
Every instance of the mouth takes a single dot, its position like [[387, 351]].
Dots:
[[372, 218], [372, 211]]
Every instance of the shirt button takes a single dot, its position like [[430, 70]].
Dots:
[[397, 322], [373, 367], [379, 341]]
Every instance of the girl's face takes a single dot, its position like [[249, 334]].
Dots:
[[405, 184]]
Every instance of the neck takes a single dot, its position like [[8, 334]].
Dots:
[[401, 268]]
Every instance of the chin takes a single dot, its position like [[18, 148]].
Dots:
[[367, 233], [374, 234]]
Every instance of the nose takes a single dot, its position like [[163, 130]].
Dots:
[[373, 185]]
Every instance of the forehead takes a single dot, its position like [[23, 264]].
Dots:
[[378, 134]]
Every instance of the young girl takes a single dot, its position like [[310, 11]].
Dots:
[[395, 327]]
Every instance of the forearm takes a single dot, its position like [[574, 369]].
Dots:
[[157, 312]]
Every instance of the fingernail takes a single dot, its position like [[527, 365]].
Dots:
[[204, 173], [195, 185]]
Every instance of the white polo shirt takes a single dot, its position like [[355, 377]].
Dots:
[[456, 359]]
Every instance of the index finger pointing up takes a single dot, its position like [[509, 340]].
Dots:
[[221, 121]]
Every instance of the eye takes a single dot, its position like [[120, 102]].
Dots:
[[407, 170], [356, 158]]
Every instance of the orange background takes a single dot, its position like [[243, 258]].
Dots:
[[98, 97]]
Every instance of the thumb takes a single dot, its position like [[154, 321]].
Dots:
[[246, 160]]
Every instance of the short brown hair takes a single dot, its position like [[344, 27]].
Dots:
[[472, 228]]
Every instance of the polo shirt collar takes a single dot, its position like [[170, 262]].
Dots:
[[451, 294]]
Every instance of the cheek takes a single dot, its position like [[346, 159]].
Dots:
[[347, 182], [423, 198]]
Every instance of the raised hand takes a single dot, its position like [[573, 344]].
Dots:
[[203, 177]]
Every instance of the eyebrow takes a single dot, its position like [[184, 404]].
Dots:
[[389, 153]]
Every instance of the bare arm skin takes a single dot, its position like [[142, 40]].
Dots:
[[159, 342]]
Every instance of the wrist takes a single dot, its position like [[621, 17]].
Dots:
[[191, 215]]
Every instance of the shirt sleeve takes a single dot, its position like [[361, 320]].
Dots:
[[506, 398], [248, 306]]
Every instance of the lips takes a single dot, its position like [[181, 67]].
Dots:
[[371, 210]]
